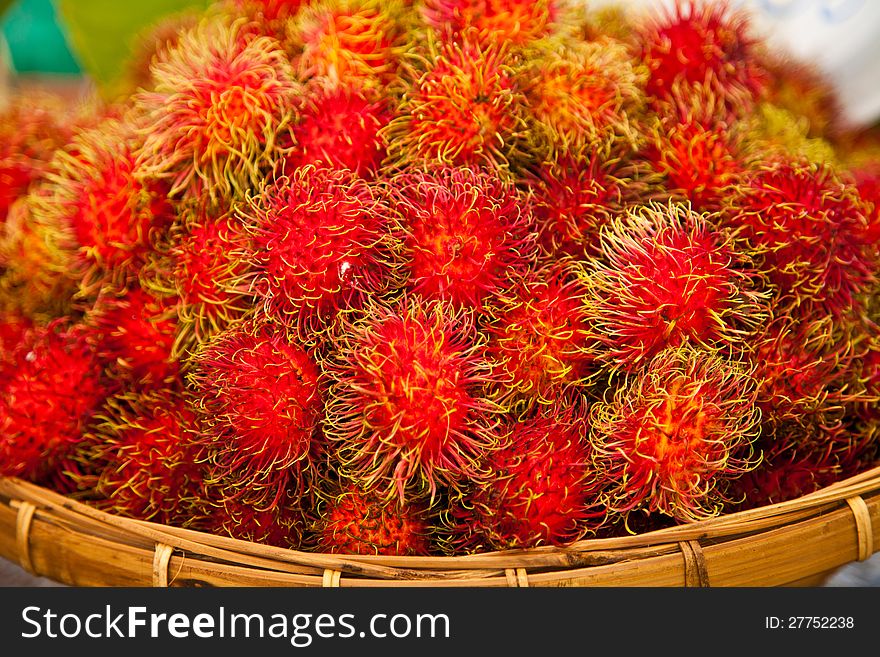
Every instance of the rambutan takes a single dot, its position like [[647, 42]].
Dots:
[[145, 442], [696, 47], [406, 408], [51, 392], [466, 107], [221, 101], [270, 17], [13, 329], [350, 520], [512, 21], [809, 229], [668, 277], [673, 434], [539, 338], [260, 401], [338, 126], [583, 95], [464, 232], [357, 41], [320, 242], [544, 488], [93, 186]]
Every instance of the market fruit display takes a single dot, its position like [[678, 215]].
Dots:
[[437, 278]]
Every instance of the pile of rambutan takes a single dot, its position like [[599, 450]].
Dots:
[[437, 277]]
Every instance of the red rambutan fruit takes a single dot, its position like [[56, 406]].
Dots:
[[269, 17], [466, 107], [353, 521], [809, 230], [539, 338], [464, 232], [348, 40], [260, 400], [513, 21], [221, 101], [13, 329], [52, 390], [673, 434], [338, 126], [668, 277], [94, 187], [583, 95], [698, 46], [543, 491], [146, 443], [320, 242], [406, 407]]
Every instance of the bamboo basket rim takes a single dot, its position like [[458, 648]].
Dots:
[[58, 537]]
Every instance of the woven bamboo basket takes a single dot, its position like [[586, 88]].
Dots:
[[794, 543]]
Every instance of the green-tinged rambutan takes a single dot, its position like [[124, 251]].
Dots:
[[320, 242], [338, 126], [573, 197], [259, 396], [350, 520], [772, 132], [357, 41], [53, 388], [583, 95], [221, 101], [544, 488], [539, 336], [133, 333], [668, 277], [94, 187], [675, 433], [146, 445], [407, 410], [512, 21], [464, 107], [809, 230], [464, 232], [697, 47]]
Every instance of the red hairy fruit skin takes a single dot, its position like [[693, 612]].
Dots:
[[464, 232], [675, 433], [696, 47], [220, 104], [269, 17], [199, 268], [354, 521], [94, 186], [512, 21], [539, 336], [260, 401], [133, 332], [14, 327], [810, 231], [543, 489], [338, 126], [320, 243], [349, 40], [406, 408], [466, 107], [583, 95], [54, 387], [573, 197], [146, 443], [668, 277], [866, 177]]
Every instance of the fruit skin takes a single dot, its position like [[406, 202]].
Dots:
[[407, 413], [464, 231], [511, 21], [543, 490], [350, 520], [667, 278], [260, 400], [319, 244], [221, 103], [810, 232], [55, 386], [671, 436]]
